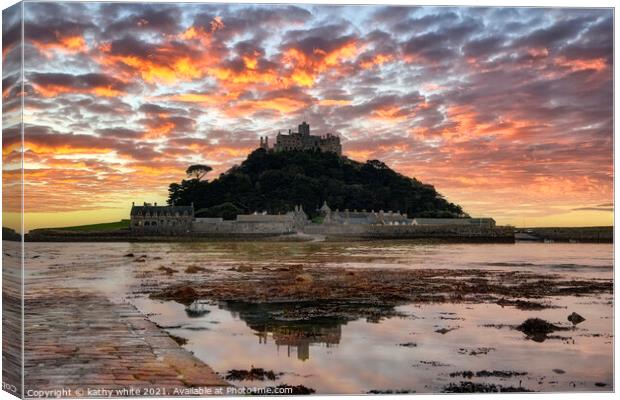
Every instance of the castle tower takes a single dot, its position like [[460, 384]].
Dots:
[[304, 129], [264, 143]]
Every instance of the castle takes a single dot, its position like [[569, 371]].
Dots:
[[302, 140]]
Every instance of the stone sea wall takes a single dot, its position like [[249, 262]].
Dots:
[[243, 228], [593, 234], [236, 230], [453, 232]]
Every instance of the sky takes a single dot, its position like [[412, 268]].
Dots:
[[506, 111]]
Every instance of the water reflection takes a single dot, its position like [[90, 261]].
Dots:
[[197, 309], [340, 356], [291, 333], [358, 348]]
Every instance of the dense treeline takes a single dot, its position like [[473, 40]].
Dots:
[[276, 182]]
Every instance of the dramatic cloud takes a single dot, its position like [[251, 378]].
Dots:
[[507, 111]]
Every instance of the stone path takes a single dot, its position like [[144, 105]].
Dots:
[[80, 341]]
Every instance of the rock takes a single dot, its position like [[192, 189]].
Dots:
[[181, 294], [168, 271], [304, 278], [192, 269], [533, 326], [475, 387], [576, 318], [128, 255], [408, 344], [443, 331], [181, 341], [558, 371], [537, 329], [254, 374]]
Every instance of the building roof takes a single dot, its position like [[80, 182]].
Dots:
[[161, 210]]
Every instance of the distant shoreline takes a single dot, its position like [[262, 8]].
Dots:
[[589, 234], [601, 234]]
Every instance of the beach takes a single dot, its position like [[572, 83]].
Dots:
[[332, 318]]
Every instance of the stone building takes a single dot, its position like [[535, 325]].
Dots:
[[303, 140], [150, 219], [256, 223], [381, 217], [363, 217], [180, 220]]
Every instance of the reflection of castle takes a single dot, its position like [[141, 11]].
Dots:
[[303, 140], [301, 337], [264, 319]]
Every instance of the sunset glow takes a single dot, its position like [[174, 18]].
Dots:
[[507, 112]]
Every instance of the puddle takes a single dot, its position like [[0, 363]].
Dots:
[[338, 356]]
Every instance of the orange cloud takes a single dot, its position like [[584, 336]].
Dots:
[[232, 79], [41, 147], [333, 102], [378, 59], [63, 44], [169, 71], [159, 129], [304, 68], [280, 104], [54, 90], [200, 34], [597, 64], [203, 98], [390, 114]]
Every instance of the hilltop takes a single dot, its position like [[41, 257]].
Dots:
[[277, 181]]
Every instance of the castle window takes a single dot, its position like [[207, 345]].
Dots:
[[147, 223]]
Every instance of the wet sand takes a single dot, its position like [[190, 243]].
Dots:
[[343, 311]]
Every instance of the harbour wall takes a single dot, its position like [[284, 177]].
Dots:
[[591, 234], [452, 232], [237, 230], [242, 228]]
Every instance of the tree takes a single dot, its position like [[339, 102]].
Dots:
[[278, 181], [198, 171]]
